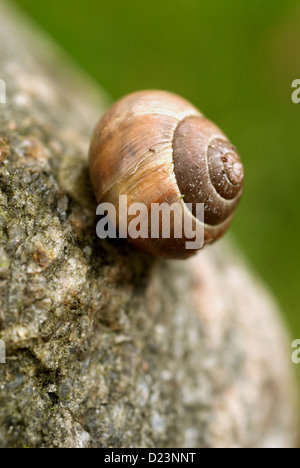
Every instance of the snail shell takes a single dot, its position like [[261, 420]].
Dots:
[[156, 147]]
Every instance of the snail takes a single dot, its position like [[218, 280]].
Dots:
[[155, 147]]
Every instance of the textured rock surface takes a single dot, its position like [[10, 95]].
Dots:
[[105, 346]]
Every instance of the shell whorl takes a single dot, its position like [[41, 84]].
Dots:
[[207, 168]]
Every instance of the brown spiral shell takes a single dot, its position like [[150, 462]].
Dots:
[[156, 147]]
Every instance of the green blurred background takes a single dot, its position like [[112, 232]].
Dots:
[[236, 61]]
